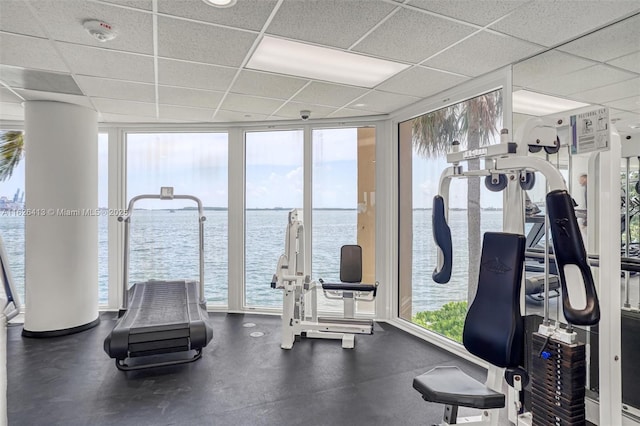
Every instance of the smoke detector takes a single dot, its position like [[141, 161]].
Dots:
[[100, 30]]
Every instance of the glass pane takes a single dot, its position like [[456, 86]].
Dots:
[[274, 186], [343, 204], [12, 216], [473, 210], [164, 234], [103, 219]]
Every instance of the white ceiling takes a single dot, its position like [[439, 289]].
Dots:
[[184, 61]]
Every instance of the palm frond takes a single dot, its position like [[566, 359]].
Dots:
[[474, 122], [11, 152], [433, 133]]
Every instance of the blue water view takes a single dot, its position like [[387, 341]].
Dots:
[[164, 245]]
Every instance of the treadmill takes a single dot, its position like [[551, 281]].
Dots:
[[160, 317]]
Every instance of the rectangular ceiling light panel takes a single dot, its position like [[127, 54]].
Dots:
[[532, 103], [320, 63]]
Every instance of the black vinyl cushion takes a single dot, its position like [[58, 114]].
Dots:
[[568, 248], [442, 237], [351, 264], [350, 271], [494, 327], [451, 386]]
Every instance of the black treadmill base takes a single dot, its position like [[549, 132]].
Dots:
[[58, 333]]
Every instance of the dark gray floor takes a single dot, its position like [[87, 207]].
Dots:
[[240, 380]]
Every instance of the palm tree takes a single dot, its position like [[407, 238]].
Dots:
[[474, 123], [11, 152]]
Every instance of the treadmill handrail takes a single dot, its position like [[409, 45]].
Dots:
[[126, 218]]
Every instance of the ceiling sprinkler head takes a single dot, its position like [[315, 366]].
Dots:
[[100, 30]]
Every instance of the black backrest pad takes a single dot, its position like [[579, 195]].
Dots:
[[568, 248], [494, 327], [442, 238], [351, 264]]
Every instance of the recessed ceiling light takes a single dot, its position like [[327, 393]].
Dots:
[[532, 103], [320, 63], [220, 3]]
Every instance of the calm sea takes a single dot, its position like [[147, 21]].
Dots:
[[164, 245]]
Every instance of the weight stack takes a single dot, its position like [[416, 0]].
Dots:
[[558, 378]]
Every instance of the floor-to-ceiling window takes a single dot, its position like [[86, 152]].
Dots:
[[103, 218], [274, 185], [164, 233], [343, 187], [473, 210], [12, 215]]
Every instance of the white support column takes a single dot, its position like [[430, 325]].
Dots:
[[117, 201], [609, 291], [236, 216], [61, 244]]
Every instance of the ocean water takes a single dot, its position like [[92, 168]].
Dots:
[[164, 245]]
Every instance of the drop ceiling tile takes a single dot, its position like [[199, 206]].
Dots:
[[197, 115], [549, 22], [7, 96], [609, 93], [30, 52], [112, 106], [630, 62], [612, 42], [198, 76], [382, 102], [137, 4], [116, 89], [90, 61], [11, 111], [267, 85], [548, 63], [34, 95], [582, 80], [232, 116], [189, 97], [291, 110], [420, 82], [628, 104], [346, 113], [328, 94], [178, 39], [250, 104], [412, 37], [15, 17], [336, 23], [482, 53], [128, 118], [247, 14], [618, 114], [63, 20], [474, 11]]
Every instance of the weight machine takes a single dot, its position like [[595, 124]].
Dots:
[[296, 284], [494, 327]]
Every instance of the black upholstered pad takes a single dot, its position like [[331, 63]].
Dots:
[[442, 237], [450, 385], [348, 286], [494, 328], [351, 263], [569, 249]]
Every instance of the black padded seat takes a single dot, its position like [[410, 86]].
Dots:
[[348, 286], [350, 272], [451, 386]]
